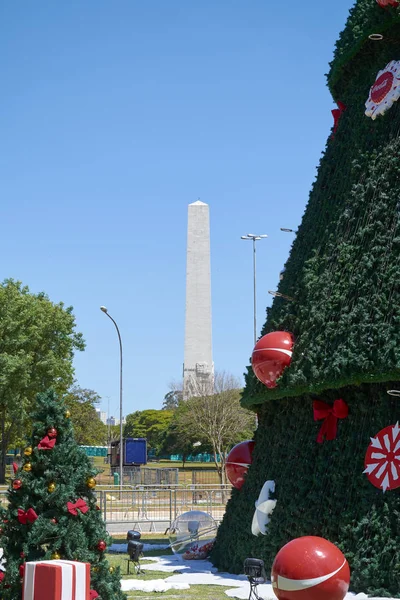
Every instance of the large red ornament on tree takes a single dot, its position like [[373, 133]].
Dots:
[[382, 460], [271, 355], [385, 3], [310, 568], [238, 462]]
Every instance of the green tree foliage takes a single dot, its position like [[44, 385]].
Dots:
[[151, 424], [343, 274], [217, 420], [180, 436], [88, 429], [37, 345], [172, 399], [55, 530]]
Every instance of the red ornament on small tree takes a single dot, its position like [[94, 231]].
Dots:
[[52, 432], [238, 462], [101, 546], [310, 568], [271, 355]]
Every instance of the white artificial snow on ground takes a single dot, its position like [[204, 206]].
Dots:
[[196, 572], [202, 572], [156, 585]]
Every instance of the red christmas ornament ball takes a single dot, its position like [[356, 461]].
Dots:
[[310, 568], [271, 355], [101, 546], [54, 521], [52, 432], [238, 462], [385, 3], [17, 483]]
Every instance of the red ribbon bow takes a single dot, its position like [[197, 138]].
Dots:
[[79, 505], [330, 414], [15, 467], [93, 595], [337, 113], [28, 516], [46, 443]]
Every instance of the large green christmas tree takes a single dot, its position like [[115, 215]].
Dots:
[[343, 276], [52, 511]]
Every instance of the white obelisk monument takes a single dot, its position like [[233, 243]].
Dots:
[[198, 367]]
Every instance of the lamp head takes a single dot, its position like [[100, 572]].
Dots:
[[103, 308]]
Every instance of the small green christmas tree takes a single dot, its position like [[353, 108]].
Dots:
[[52, 511]]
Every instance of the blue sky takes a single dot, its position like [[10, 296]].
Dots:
[[115, 115]]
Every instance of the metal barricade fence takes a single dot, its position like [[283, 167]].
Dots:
[[136, 505], [150, 505]]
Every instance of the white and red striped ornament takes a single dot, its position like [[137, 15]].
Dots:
[[56, 580], [271, 355], [382, 459]]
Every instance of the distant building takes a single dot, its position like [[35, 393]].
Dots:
[[102, 415], [114, 421]]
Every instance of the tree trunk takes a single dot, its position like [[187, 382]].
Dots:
[[217, 466]]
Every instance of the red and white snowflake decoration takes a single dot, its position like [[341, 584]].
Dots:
[[385, 90], [382, 460], [385, 3]]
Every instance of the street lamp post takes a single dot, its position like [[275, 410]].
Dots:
[[121, 448], [254, 238]]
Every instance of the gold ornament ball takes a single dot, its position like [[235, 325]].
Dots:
[[91, 482], [51, 487], [28, 451], [27, 467], [111, 569], [55, 556], [67, 414]]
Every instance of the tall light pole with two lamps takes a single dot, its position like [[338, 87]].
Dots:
[[254, 238], [121, 448]]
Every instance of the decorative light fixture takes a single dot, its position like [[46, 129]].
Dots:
[[254, 570]]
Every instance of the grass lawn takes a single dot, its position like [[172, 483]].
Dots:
[[195, 592]]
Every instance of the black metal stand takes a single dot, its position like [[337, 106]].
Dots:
[[255, 572], [136, 567], [253, 590]]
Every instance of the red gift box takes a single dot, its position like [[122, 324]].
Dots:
[[56, 580]]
